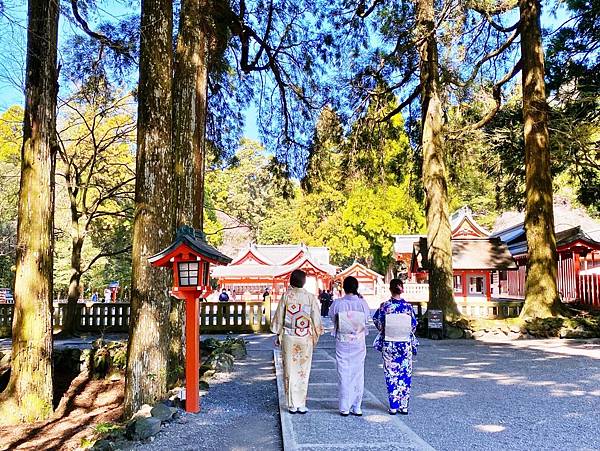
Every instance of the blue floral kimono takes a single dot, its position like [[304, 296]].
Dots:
[[397, 355]]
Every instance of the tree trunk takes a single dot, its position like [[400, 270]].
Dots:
[[69, 326], [148, 348], [190, 85], [434, 167], [28, 396], [541, 293]]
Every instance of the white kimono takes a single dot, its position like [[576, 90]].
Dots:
[[350, 315], [297, 323]]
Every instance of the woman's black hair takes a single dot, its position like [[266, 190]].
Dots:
[[396, 287], [297, 278], [351, 285]]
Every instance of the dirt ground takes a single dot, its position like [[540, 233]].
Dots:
[[85, 403]]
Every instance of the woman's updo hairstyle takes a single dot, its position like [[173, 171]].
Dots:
[[351, 285], [396, 287], [297, 278]]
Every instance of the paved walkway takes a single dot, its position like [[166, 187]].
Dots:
[[539, 395], [324, 429]]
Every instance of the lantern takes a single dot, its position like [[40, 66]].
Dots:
[[190, 257]]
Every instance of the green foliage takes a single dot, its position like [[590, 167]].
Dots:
[[487, 167], [107, 428], [11, 123], [11, 135], [249, 190], [96, 172], [359, 188], [108, 358]]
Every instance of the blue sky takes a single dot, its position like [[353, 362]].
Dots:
[[12, 44]]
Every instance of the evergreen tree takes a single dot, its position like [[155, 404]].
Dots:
[[541, 292], [148, 346], [28, 396]]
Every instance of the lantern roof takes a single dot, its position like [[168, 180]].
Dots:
[[195, 241]]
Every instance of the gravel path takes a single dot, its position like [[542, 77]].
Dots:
[[240, 411]]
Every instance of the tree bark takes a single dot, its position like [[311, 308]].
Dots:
[[69, 326], [146, 377], [28, 396], [190, 86], [434, 167], [541, 293]]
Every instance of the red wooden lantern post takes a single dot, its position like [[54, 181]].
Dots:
[[190, 257]]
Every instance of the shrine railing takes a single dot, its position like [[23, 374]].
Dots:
[[96, 317], [589, 289], [241, 317], [416, 292], [495, 309]]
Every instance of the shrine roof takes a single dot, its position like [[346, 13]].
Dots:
[[403, 244], [463, 223], [282, 254], [487, 254], [270, 270], [516, 239], [360, 267], [195, 240]]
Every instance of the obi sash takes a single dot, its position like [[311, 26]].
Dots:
[[398, 327], [297, 320], [350, 326]]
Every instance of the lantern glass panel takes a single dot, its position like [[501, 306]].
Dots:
[[188, 274]]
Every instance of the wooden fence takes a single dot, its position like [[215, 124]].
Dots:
[[90, 317], [480, 309], [589, 289], [238, 317], [215, 317], [242, 317]]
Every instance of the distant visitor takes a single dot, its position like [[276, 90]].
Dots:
[[223, 297]]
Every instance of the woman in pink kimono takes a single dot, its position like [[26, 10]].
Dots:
[[297, 323], [350, 315]]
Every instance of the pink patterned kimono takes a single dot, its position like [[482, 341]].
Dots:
[[297, 323]]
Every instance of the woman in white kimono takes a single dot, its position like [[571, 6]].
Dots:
[[350, 315], [297, 323]]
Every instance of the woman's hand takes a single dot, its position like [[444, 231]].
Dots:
[[276, 341]]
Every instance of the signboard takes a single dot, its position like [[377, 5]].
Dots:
[[435, 319]]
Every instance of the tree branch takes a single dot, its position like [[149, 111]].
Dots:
[[104, 254], [117, 47]]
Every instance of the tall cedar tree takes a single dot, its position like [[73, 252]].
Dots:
[[541, 293], [146, 378], [190, 89], [434, 166], [28, 396]]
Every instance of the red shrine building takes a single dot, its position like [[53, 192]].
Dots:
[[260, 267], [370, 283], [493, 265], [578, 248], [478, 260]]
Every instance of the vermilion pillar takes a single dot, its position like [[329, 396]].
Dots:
[[192, 354]]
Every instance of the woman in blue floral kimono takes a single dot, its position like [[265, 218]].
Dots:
[[397, 342]]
